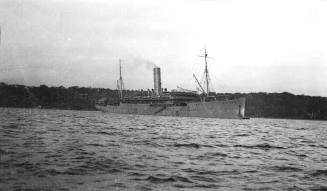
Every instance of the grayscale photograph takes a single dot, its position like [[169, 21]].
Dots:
[[167, 95]]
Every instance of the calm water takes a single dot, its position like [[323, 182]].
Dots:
[[79, 150]]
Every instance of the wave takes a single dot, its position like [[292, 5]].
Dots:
[[242, 135], [207, 186], [285, 168], [118, 185], [264, 146], [120, 153], [96, 145], [197, 185], [203, 178], [210, 155], [191, 145], [221, 145], [218, 173], [11, 126], [105, 133], [157, 179], [217, 154], [138, 174], [54, 156], [100, 166], [52, 172], [319, 173], [319, 188], [147, 143]]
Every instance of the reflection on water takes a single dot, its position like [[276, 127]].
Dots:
[[79, 150]]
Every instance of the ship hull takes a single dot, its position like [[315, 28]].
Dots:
[[232, 109]]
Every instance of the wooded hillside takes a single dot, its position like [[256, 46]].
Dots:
[[271, 105]]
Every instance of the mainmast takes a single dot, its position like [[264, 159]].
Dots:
[[206, 73], [120, 82]]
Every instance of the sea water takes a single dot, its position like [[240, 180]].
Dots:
[[90, 150]]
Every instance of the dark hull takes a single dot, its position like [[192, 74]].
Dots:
[[233, 109]]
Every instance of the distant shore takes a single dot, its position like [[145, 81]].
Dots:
[[258, 105]]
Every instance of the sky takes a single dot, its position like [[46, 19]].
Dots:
[[254, 45]]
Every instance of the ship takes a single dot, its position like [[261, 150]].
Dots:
[[181, 102]]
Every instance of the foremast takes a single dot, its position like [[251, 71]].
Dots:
[[206, 73]]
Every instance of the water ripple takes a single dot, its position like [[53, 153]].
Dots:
[[83, 150]]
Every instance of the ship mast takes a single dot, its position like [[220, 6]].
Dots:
[[120, 82], [206, 72]]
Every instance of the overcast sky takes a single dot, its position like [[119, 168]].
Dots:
[[255, 45]]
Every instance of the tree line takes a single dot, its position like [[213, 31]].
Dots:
[[269, 105]]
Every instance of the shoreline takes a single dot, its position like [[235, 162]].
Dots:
[[251, 118]]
